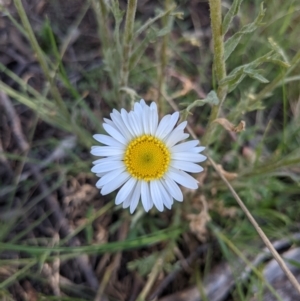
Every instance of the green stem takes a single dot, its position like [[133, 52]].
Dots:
[[216, 26], [101, 13], [219, 64], [127, 45], [40, 57]]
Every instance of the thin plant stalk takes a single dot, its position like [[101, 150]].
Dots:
[[152, 277], [101, 13], [17, 275], [40, 56], [261, 233], [219, 64], [163, 56], [127, 46]]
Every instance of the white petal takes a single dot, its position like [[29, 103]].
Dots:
[[108, 121], [133, 123], [145, 120], [109, 176], [156, 196], [187, 156], [106, 151], [135, 197], [125, 191], [143, 103], [115, 183], [138, 116], [138, 109], [173, 188], [114, 133], [162, 125], [181, 126], [186, 166], [198, 149], [168, 202], [153, 116], [177, 131], [145, 194], [167, 130], [153, 106], [101, 174], [184, 146], [107, 166], [125, 118], [110, 158], [127, 201], [117, 119], [107, 140], [183, 178], [167, 198], [175, 137]]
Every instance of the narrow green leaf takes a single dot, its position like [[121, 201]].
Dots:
[[279, 62], [250, 69], [118, 15], [164, 31], [138, 52], [236, 82], [256, 75], [279, 51], [233, 41], [231, 44], [153, 238], [233, 76], [211, 98], [233, 11], [143, 265], [153, 20]]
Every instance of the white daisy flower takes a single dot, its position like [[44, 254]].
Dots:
[[142, 154]]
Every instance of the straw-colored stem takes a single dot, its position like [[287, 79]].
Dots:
[[152, 277], [261, 233], [127, 45], [163, 57]]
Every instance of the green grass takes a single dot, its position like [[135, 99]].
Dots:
[[261, 88]]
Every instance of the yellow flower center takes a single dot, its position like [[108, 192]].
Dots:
[[147, 158]]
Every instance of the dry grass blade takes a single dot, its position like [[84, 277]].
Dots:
[[263, 236]]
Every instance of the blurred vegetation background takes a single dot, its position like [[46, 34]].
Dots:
[[64, 65]]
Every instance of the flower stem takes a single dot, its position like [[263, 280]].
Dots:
[[219, 63], [127, 45]]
